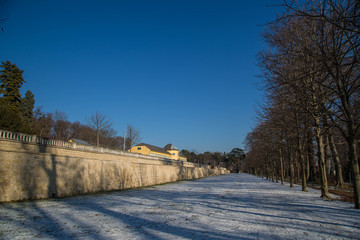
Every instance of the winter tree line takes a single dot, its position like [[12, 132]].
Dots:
[[308, 127], [232, 161], [18, 114]]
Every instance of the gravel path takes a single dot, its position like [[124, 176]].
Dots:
[[236, 206]]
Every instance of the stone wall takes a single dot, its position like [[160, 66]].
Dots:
[[35, 168]]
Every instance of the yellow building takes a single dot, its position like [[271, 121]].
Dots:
[[77, 141], [169, 151]]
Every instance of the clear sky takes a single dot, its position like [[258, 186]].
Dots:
[[181, 71]]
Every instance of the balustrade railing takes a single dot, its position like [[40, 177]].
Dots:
[[26, 138], [17, 136], [4, 134]]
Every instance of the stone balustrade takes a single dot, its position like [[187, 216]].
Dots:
[[17, 136], [33, 139]]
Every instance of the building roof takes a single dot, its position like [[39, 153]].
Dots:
[[153, 148], [78, 141], [170, 147]]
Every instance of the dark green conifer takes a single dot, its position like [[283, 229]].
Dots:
[[11, 80], [27, 111]]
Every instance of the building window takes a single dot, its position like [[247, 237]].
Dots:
[[173, 154], [139, 148]]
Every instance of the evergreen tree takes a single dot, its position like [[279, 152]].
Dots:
[[10, 120], [27, 110], [235, 158], [11, 80]]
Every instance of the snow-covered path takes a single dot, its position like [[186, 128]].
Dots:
[[236, 206]]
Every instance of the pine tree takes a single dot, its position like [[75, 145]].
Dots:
[[27, 111], [11, 80]]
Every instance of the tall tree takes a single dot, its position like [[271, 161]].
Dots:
[[43, 123], [235, 158], [313, 58], [100, 124], [61, 128], [338, 49], [11, 80], [132, 136], [27, 110]]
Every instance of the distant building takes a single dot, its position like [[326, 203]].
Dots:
[[169, 151], [77, 141]]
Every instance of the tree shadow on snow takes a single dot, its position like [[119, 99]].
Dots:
[[216, 194]]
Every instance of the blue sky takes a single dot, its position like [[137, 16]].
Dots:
[[181, 71]]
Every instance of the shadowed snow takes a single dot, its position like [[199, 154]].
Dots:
[[236, 206]]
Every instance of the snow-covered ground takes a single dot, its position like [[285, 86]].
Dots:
[[236, 206]]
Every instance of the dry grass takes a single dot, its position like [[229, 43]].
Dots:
[[345, 193]]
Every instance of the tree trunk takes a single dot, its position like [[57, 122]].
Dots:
[[303, 174], [327, 157], [307, 167], [354, 168], [281, 167], [276, 172], [339, 174], [321, 159], [298, 168], [303, 169], [291, 165], [97, 138], [267, 171], [310, 153]]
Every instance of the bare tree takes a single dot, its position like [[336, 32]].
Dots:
[[43, 123], [61, 128], [100, 124], [312, 58], [132, 136], [336, 159], [337, 49]]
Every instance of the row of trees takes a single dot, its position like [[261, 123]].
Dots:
[[18, 114], [309, 126], [232, 161]]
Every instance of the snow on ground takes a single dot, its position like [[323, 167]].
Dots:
[[236, 206]]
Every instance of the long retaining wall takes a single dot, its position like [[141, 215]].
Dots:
[[34, 168]]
